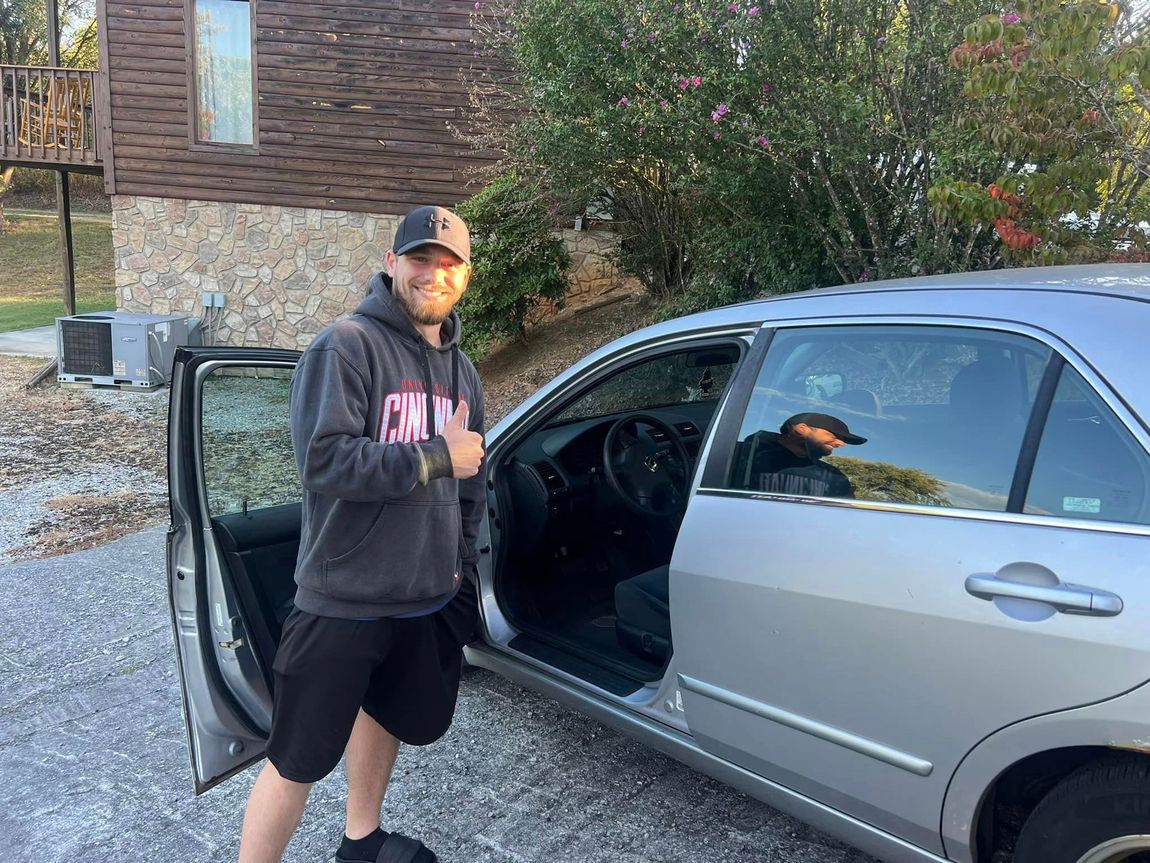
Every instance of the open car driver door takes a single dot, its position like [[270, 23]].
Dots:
[[231, 546]]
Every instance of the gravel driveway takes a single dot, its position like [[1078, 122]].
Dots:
[[94, 762]]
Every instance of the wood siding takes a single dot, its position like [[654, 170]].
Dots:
[[355, 98]]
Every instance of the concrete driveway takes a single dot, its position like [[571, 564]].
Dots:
[[94, 765]]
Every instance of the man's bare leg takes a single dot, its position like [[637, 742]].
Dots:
[[371, 754], [275, 807]]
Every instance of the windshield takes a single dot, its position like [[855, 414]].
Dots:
[[684, 377]]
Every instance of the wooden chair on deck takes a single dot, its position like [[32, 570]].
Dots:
[[55, 118]]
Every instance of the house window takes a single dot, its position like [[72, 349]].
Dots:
[[223, 57]]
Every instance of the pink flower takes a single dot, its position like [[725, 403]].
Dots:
[[650, 37], [623, 44], [663, 103], [717, 135], [734, 7], [753, 11], [1011, 18], [766, 88], [624, 101], [762, 142], [532, 149], [718, 113], [478, 4], [684, 83], [642, 129], [696, 81]]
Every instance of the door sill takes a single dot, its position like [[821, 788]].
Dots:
[[596, 675]]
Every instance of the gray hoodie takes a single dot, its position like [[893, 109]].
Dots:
[[386, 529]]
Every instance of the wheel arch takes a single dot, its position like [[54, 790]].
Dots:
[[1018, 764]]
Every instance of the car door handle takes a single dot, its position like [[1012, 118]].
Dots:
[[1067, 598]]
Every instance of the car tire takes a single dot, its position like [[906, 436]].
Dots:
[[1098, 814]]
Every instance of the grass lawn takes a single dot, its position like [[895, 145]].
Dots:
[[31, 273]]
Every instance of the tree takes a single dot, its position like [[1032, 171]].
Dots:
[[763, 147], [880, 480], [1061, 88], [518, 261]]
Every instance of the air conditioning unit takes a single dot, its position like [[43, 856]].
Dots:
[[121, 348]]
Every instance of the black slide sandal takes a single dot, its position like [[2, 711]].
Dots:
[[397, 848]]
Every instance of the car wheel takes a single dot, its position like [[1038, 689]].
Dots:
[[1098, 814]]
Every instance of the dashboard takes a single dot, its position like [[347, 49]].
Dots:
[[559, 468]]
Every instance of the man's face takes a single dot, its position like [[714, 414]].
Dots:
[[428, 281], [820, 441]]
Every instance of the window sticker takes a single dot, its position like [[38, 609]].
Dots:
[[1082, 504]]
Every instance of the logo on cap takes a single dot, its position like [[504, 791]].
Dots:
[[433, 225]]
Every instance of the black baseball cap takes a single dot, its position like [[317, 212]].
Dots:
[[436, 225], [824, 421]]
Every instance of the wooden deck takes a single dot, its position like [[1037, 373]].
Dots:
[[49, 117]]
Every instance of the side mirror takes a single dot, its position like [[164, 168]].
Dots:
[[823, 386]]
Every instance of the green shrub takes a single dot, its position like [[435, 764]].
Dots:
[[518, 261], [745, 261]]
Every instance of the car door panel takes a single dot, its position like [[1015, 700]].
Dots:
[[866, 633], [223, 673], [260, 550]]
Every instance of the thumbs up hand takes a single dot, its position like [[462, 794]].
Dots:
[[465, 446]]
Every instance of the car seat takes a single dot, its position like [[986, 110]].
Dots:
[[986, 391], [643, 614], [977, 447]]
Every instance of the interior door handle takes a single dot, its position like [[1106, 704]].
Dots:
[[1067, 598]]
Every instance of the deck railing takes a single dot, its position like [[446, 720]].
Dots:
[[48, 116]]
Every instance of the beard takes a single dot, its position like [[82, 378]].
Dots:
[[816, 451], [423, 312]]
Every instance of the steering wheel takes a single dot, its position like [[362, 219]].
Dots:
[[649, 476]]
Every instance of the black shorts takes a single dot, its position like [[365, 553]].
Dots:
[[403, 672]]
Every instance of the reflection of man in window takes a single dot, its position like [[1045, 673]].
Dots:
[[790, 462]]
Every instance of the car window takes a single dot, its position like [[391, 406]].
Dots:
[[1088, 466], [695, 375], [943, 411], [246, 435]]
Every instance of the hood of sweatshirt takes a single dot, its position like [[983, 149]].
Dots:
[[381, 304]]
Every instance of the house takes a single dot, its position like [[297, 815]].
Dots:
[[262, 150]]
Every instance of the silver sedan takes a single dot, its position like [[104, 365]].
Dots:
[[875, 555]]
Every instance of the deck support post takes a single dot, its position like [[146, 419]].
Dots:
[[63, 195]]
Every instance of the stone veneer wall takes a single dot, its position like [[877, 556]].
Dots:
[[286, 272], [593, 274]]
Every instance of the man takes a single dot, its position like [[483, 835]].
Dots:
[[386, 417], [791, 462]]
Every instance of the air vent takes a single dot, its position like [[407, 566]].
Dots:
[[87, 347], [550, 475], [657, 435], [686, 428]]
